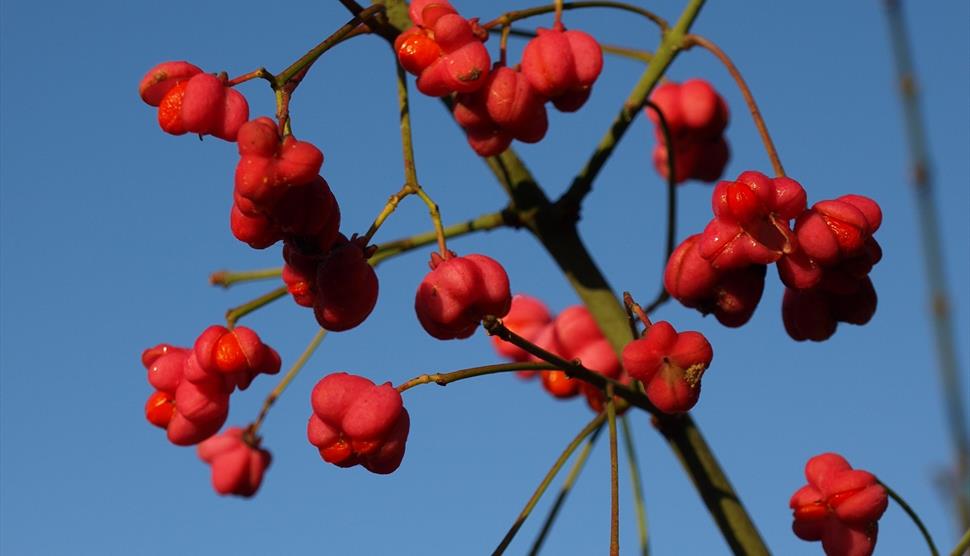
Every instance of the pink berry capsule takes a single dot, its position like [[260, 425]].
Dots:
[[237, 467], [670, 365], [839, 506], [562, 66], [161, 78], [458, 292], [346, 288]]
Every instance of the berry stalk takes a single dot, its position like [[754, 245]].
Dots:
[[444, 379], [759, 121], [559, 6], [913, 516], [225, 278], [285, 381], [233, 315], [636, 485], [671, 241]]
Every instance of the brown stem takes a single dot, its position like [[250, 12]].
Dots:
[[558, 6], [444, 379], [759, 121], [670, 242], [634, 307], [614, 475]]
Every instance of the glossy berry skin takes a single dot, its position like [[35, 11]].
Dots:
[[443, 50], [346, 288], [356, 422], [751, 221], [237, 467], [458, 292], [562, 66], [696, 117], [732, 295], [269, 165], [505, 108], [527, 317], [839, 506], [837, 229], [190, 101], [161, 78], [670, 365]]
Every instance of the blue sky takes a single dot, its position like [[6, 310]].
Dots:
[[110, 228]]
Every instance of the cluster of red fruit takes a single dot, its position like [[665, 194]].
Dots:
[[824, 260], [278, 193], [696, 117], [190, 101], [839, 506], [356, 422], [498, 104], [458, 292], [670, 365], [192, 385]]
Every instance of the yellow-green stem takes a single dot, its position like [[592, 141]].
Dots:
[[912, 516], [444, 379], [285, 381], [550, 475], [233, 315], [614, 475], [226, 278], [559, 5]]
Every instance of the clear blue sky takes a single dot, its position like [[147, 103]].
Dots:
[[110, 228]]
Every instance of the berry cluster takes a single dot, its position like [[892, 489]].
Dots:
[[458, 292], [192, 385], [496, 106], [190, 101], [237, 465], [356, 422], [443, 49], [696, 117], [839, 506], [824, 260], [573, 334]]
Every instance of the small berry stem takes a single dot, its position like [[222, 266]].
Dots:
[[233, 315], [559, 6], [636, 485], [444, 379], [634, 307], [962, 546], [485, 222], [261, 73], [591, 427], [300, 66], [614, 474], [504, 42], [670, 242], [567, 486], [225, 278], [285, 381], [759, 121], [557, 22], [913, 516]]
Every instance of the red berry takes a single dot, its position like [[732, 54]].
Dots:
[[159, 409], [458, 292], [562, 66], [839, 506], [670, 365], [527, 317], [161, 78], [346, 288], [237, 467]]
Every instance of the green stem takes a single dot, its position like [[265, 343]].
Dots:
[[637, 485], [962, 546], [307, 60], [913, 516], [567, 486], [933, 258], [485, 222], [670, 46], [286, 380], [233, 315], [550, 475], [225, 278], [444, 379]]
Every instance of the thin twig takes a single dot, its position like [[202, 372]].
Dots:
[[285, 381], [637, 485], [444, 379], [614, 474], [233, 315], [226, 278], [913, 516], [559, 6], [663, 295], [550, 475], [759, 121]]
